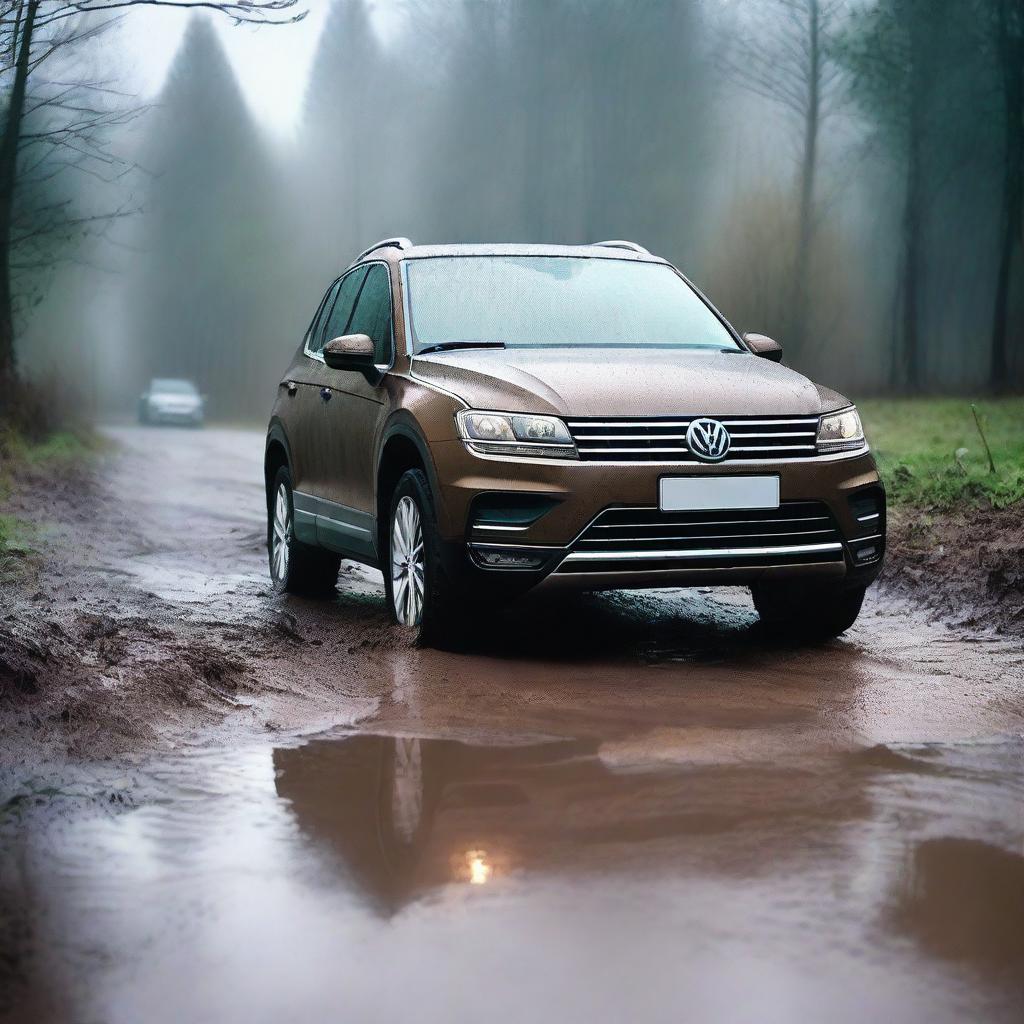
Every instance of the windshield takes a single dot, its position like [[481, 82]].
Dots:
[[167, 386], [537, 301]]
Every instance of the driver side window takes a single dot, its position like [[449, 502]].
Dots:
[[337, 321], [373, 313]]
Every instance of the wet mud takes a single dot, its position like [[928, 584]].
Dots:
[[222, 805]]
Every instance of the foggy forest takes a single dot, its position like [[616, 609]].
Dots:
[[844, 176]]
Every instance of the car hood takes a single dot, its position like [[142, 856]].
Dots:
[[624, 382]]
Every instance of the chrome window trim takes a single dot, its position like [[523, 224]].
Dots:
[[315, 322]]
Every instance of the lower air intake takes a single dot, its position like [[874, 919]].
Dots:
[[646, 539]]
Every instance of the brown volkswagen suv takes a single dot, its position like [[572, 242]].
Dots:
[[479, 420]]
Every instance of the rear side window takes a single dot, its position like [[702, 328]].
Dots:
[[315, 332], [373, 313], [337, 321]]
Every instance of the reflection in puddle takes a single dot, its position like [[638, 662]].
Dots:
[[405, 814], [359, 877], [963, 899]]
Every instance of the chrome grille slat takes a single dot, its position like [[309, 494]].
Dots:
[[663, 440], [646, 539], [705, 536], [630, 437], [739, 553], [773, 448], [654, 436], [803, 421], [710, 522], [633, 451]]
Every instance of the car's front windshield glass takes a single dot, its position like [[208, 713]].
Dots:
[[547, 301], [173, 387]]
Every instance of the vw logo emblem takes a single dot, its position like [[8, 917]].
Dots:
[[708, 440]]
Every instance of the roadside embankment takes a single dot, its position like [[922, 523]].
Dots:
[[954, 473]]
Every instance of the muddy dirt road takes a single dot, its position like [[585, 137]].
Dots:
[[629, 807]]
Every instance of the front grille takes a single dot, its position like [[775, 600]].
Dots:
[[664, 439], [642, 539]]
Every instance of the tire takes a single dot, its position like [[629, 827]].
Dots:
[[295, 568], [420, 595], [810, 612]]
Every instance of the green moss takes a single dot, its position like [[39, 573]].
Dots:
[[931, 454], [59, 448], [16, 547]]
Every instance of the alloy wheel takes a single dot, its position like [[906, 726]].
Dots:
[[407, 563], [281, 536]]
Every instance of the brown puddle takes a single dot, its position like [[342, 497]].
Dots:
[[963, 899], [366, 877]]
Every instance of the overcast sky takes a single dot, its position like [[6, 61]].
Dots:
[[272, 64]]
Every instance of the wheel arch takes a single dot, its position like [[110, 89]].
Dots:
[[277, 453], [403, 448]]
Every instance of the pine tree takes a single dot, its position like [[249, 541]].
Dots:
[[210, 237], [343, 138]]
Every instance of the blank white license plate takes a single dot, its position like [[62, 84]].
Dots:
[[700, 493]]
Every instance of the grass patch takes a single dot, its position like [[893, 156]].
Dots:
[[16, 547], [15, 536], [930, 453], [58, 449], [19, 457]]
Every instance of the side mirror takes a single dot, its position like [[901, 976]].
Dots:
[[762, 345], [350, 352]]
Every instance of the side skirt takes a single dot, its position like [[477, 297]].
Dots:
[[346, 530]]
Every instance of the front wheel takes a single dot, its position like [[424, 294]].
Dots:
[[419, 593], [802, 611], [295, 567]]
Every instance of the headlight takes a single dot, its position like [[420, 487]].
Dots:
[[840, 432], [501, 433]]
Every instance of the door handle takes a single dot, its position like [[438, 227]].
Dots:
[[325, 394], [291, 387]]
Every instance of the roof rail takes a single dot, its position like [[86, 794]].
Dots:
[[619, 243], [385, 243]]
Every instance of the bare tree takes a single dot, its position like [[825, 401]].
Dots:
[[72, 130], [786, 58]]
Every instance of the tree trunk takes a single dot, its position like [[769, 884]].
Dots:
[[913, 261], [808, 171], [913, 205], [8, 181], [1010, 49]]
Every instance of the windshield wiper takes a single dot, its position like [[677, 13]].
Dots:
[[445, 346]]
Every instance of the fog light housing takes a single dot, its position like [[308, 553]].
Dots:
[[508, 558], [509, 510], [868, 507], [865, 552]]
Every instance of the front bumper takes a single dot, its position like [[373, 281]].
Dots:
[[582, 491], [186, 416]]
